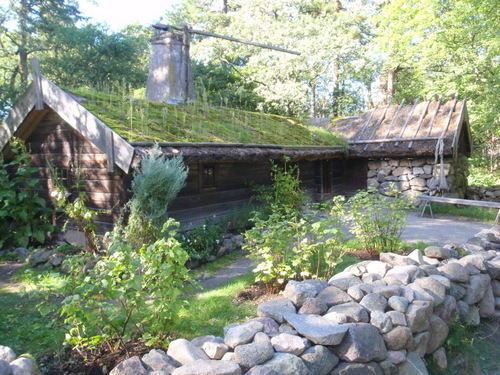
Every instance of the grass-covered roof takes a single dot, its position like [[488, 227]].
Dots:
[[147, 121]]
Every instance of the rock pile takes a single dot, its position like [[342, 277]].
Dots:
[[376, 317], [484, 193], [10, 364], [414, 176]]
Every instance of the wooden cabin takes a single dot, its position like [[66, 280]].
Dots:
[[57, 126], [409, 145]]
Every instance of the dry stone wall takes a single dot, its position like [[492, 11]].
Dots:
[[377, 317], [484, 193], [415, 176]]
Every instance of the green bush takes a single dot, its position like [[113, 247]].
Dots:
[[377, 220], [127, 293], [154, 187], [203, 242], [299, 247], [24, 215], [285, 196]]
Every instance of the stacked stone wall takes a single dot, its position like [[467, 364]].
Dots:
[[377, 317], [418, 176], [484, 193]]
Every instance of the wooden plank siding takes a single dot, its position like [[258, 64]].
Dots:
[[57, 141]]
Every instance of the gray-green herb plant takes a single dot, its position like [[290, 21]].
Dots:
[[154, 187]]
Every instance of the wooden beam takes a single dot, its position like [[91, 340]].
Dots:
[[18, 113], [394, 119], [434, 116], [408, 120], [461, 119], [367, 122], [420, 122], [393, 140], [110, 151], [37, 83], [450, 115], [160, 26], [185, 63]]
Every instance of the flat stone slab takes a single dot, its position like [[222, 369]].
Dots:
[[317, 329], [209, 367], [276, 309]]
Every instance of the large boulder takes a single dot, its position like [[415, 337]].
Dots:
[[7, 354], [414, 365], [419, 315], [242, 333], [397, 260], [438, 252], [374, 302], [253, 354], [398, 338], [286, 343], [184, 351], [158, 360], [354, 312], [298, 291], [455, 272], [276, 309], [5, 368], [487, 304], [319, 360], [317, 329], [430, 288], [362, 343], [209, 367], [25, 366], [332, 296], [477, 287], [287, 364], [313, 306], [438, 330]]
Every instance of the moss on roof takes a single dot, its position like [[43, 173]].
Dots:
[[147, 121]]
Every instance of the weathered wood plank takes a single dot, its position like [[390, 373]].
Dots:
[[37, 83], [465, 202]]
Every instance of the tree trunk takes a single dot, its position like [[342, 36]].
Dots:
[[390, 84], [224, 6], [335, 89], [313, 100], [23, 41]]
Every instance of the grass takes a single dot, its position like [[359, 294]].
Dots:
[[146, 121], [484, 214], [218, 264], [471, 350], [210, 311], [23, 329]]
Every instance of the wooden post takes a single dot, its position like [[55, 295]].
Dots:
[[37, 83], [110, 151], [185, 63]]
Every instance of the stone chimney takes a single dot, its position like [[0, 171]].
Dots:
[[170, 75]]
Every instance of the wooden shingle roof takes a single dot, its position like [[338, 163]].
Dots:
[[408, 130]]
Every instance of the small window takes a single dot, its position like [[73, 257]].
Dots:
[[208, 177], [62, 177]]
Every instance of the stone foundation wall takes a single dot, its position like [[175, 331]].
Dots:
[[484, 193], [415, 176], [377, 317]]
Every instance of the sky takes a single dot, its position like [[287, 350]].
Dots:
[[119, 13]]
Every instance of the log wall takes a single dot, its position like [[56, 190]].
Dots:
[[68, 150]]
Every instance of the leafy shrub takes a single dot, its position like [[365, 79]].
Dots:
[[378, 221], [127, 292], [284, 197], [299, 247], [239, 219], [154, 187], [203, 242], [24, 215], [75, 209]]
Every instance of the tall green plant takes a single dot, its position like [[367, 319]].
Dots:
[[154, 187], [284, 196], [24, 215], [377, 220]]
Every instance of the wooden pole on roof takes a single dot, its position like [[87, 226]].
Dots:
[[37, 82], [407, 120], [434, 116], [420, 122], [160, 26], [394, 119], [367, 123], [379, 121]]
